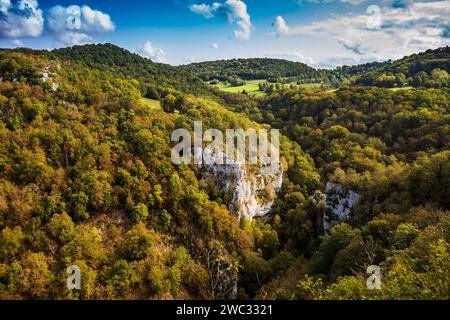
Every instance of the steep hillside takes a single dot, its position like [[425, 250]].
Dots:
[[155, 78], [384, 156], [86, 178]]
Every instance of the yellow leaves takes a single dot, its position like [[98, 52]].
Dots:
[[20, 205], [437, 277], [139, 212], [3, 102], [10, 242], [104, 156], [311, 288], [35, 278], [439, 74], [140, 242], [404, 235], [6, 188], [158, 194], [337, 132], [62, 227], [89, 285], [372, 153], [346, 288], [86, 245]]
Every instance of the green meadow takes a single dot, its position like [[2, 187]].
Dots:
[[252, 87], [150, 103]]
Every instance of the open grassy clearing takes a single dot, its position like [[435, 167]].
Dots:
[[252, 87], [311, 85], [152, 104], [401, 88]]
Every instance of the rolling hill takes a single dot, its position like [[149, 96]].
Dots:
[[426, 69], [256, 69], [415, 70], [87, 179]]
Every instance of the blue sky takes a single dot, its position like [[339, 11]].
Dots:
[[322, 33]]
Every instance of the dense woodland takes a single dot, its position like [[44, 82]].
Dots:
[[427, 69], [86, 178], [273, 70]]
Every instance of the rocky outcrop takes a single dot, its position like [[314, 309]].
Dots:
[[252, 193], [47, 78], [338, 204]]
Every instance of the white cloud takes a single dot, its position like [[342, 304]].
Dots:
[[17, 43], [237, 12], [234, 10], [214, 46], [281, 25], [205, 10], [353, 2], [149, 51], [21, 18], [403, 30], [75, 25]]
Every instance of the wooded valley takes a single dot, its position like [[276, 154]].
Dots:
[[86, 178]]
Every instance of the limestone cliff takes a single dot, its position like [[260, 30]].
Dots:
[[252, 193], [338, 204]]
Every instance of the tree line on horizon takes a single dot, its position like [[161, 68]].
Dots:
[[86, 179]]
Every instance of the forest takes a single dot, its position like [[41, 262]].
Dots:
[[272, 70], [86, 179], [427, 69]]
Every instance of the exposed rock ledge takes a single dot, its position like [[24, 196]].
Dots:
[[253, 193], [47, 78], [338, 204]]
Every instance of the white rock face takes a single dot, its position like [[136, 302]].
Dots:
[[338, 204], [252, 193], [46, 77]]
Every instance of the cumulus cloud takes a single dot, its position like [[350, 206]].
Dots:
[[75, 25], [214, 46], [17, 43], [147, 50], [402, 30], [206, 10], [234, 10], [281, 25], [21, 18]]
